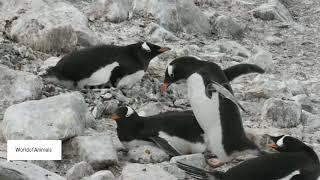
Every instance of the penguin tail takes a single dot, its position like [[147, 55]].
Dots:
[[241, 69], [198, 173]]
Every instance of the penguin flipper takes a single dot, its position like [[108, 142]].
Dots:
[[241, 69], [198, 173], [226, 93], [163, 144]]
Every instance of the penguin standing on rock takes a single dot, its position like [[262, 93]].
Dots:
[[105, 65], [217, 115], [295, 161]]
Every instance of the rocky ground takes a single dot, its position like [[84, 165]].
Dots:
[[281, 36]]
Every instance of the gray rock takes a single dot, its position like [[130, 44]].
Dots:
[[79, 171], [17, 86], [48, 26], [227, 27], [233, 48], [50, 62], [150, 109], [159, 34], [147, 154], [273, 10], [263, 58], [101, 175], [98, 150], [282, 113], [111, 10], [266, 86], [295, 86], [274, 40], [305, 102], [196, 160], [145, 172], [173, 169], [59, 117], [19, 170], [98, 110], [311, 121], [176, 16]]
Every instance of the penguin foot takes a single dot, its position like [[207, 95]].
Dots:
[[214, 162]]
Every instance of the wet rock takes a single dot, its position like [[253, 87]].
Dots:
[[19, 170], [79, 171], [196, 160], [147, 154], [110, 10], [282, 113], [101, 175], [59, 117], [227, 27], [159, 34], [145, 171], [17, 86], [48, 26], [176, 16], [273, 10], [97, 150]]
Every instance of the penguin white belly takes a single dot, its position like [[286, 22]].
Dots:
[[290, 175], [131, 79], [101, 76], [207, 114], [183, 146]]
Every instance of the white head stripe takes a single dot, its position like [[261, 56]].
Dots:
[[280, 141], [129, 111], [146, 47], [170, 70]]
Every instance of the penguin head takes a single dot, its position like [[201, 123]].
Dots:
[[147, 50], [124, 113], [178, 69], [285, 143]]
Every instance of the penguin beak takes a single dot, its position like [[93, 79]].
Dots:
[[115, 117], [164, 49], [164, 87], [273, 146]]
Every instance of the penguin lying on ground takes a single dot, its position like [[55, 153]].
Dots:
[[217, 115], [175, 132], [295, 161], [110, 65]]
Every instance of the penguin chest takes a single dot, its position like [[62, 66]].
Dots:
[[183, 146], [130, 79], [207, 114], [100, 76]]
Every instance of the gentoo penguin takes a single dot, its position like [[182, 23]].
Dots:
[[295, 161], [175, 132], [218, 116], [116, 66]]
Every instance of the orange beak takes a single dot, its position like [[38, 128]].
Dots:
[[164, 49], [164, 87], [273, 146], [115, 117]]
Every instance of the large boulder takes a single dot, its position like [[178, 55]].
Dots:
[[111, 10], [19, 170], [48, 26], [175, 15], [79, 170], [282, 113], [17, 86], [273, 10], [97, 150], [145, 172], [59, 117]]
